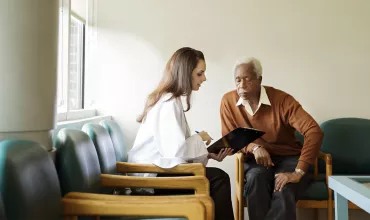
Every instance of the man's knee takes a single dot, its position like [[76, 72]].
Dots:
[[287, 193], [258, 175]]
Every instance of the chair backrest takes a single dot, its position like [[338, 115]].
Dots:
[[116, 135], [29, 182], [348, 141], [104, 147], [77, 162]]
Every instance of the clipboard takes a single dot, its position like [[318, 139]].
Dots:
[[237, 139]]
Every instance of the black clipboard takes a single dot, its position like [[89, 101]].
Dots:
[[237, 139]]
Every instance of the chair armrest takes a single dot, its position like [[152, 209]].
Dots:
[[328, 163], [199, 183], [326, 157], [192, 168], [206, 200], [240, 157], [328, 172], [127, 207]]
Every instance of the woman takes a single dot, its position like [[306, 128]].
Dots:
[[164, 137]]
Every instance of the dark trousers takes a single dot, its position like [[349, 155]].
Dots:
[[265, 204], [220, 192]]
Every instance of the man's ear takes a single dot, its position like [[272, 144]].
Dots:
[[260, 80]]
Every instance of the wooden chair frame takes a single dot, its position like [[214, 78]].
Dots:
[[133, 206], [199, 183]]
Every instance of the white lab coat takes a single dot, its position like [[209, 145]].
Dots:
[[164, 137]]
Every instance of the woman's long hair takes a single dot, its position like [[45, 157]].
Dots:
[[177, 78]]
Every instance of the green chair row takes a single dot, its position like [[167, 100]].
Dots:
[[31, 189]]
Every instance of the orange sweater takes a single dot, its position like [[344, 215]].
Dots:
[[279, 121]]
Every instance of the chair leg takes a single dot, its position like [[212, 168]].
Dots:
[[241, 208], [330, 205], [316, 214], [330, 209], [236, 214]]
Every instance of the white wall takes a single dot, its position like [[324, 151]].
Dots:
[[79, 7], [316, 50], [28, 64]]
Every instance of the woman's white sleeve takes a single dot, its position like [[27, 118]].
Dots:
[[170, 137]]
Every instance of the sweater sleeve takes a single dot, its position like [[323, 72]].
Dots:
[[303, 122], [227, 121]]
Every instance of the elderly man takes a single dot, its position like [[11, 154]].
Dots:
[[276, 164]]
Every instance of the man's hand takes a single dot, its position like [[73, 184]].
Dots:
[[221, 155], [263, 157], [281, 179]]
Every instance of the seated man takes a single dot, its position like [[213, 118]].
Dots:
[[276, 163]]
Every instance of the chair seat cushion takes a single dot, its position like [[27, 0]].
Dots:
[[316, 191]]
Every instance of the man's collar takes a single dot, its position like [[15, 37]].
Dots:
[[240, 101], [264, 99]]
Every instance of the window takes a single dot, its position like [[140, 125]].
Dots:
[[76, 65], [71, 65]]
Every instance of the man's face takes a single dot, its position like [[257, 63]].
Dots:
[[247, 84]]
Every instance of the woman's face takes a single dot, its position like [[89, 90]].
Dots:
[[198, 75]]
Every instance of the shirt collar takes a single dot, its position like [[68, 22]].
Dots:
[[264, 99]]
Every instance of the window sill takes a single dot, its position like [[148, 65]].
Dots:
[[75, 115], [80, 122]]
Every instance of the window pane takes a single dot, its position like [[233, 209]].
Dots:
[[76, 65], [62, 37]]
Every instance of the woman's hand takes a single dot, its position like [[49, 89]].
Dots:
[[205, 137], [222, 154]]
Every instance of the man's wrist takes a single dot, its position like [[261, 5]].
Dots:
[[298, 174], [254, 148]]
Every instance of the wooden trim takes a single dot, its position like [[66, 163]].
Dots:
[[196, 169], [199, 183], [150, 207], [206, 200], [308, 204]]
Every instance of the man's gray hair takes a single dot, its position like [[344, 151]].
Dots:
[[257, 67]]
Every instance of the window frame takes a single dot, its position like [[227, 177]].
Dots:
[[63, 113], [83, 63]]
